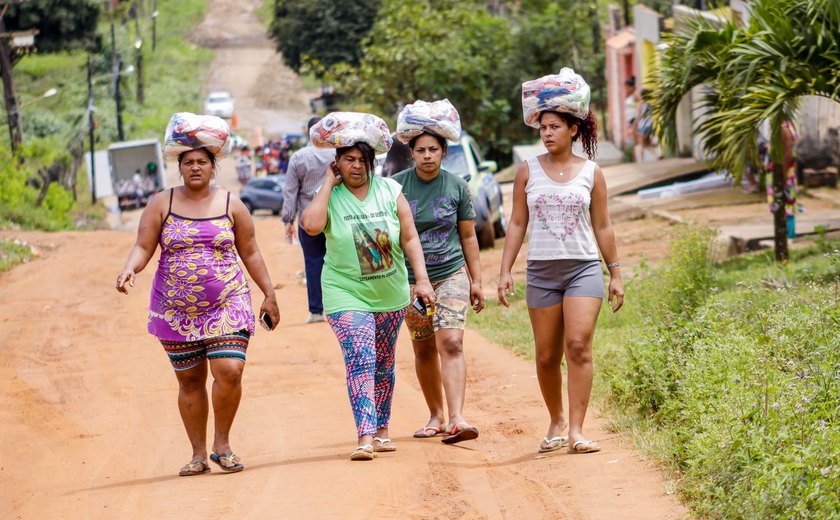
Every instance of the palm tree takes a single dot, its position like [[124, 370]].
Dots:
[[753, 72]]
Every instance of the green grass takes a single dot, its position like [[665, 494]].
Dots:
[[174, 76], [13, 253], [729, 374], [265, 12]]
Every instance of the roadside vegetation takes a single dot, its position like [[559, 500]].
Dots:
[[13, 253], [729, 374], [45, 185]]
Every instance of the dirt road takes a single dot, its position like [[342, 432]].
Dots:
[[90, 428]]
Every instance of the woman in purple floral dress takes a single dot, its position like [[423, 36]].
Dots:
[[200, 306]]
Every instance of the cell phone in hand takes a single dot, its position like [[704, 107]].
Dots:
[[265, 321], [419, 305]]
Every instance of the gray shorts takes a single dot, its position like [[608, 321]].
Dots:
[[549, 281]]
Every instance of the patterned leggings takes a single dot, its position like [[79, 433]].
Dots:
[[367, 340]]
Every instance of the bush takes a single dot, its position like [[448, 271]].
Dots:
[[17, 198], [739, 380]]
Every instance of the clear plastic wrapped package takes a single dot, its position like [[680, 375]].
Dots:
[[340, 129], [187, 131], [565, 92], [439, 118]]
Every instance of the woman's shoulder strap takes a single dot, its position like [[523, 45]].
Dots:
[[171, 195]]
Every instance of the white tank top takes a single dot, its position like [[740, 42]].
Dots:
[[560, 226]]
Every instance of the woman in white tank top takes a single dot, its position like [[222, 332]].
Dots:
[[562, 199]]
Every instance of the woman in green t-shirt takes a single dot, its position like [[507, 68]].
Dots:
[[370, 232], [444, 217]]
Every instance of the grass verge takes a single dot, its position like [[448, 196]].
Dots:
[[727, 373], [13, 253], [173, 80]]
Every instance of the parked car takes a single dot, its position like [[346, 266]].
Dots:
[[465, 159], [219, 104], [264, 193]]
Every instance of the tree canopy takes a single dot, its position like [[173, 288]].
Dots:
[[457, 50], [321, 33], [62, 26]]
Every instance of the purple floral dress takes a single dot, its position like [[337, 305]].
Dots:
[[199, 289]]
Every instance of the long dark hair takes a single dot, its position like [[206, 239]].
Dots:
[[398, 159], [368, 154], [587, 130]]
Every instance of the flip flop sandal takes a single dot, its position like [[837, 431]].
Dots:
[[464, 433], [194, 468], [423, 433], [553, 444], [385, 444], [587, 447], [233, 458], [363, 452]]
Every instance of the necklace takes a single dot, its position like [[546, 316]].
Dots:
[[562, 173]]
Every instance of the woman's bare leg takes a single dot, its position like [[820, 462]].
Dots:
[[428, 369], [227, 392], [453, 369], [194, 408], [547, 323], [579, 317]]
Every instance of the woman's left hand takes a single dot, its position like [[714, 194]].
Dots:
[[125, 277], [616, 297], [476, 297], [269, 306], [424, 290]]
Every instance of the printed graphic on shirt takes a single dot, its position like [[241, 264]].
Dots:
[[373, 248], [559, 214], [435, 239]]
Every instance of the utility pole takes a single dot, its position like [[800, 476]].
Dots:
[[138, 60], [154, 24], [91, 130], [117, 97], [9, 95]]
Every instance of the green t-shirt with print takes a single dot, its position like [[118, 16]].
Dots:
[[438, 205], [364, 268]]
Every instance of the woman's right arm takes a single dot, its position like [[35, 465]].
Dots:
[[517, 225], [148, 234], [313, 220]]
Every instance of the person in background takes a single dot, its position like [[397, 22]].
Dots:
[[630, 112], [644, 150], [562, 200], [365, 301], [303, 178], [200, 308], [243, 165], [399, 158]]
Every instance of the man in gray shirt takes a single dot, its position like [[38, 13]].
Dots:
[[303, 178]]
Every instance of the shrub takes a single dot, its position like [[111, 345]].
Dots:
[[738, 379]]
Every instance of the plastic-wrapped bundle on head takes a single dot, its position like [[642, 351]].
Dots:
[[340, 129], [565, 92], [439, 118], [187, 131]]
